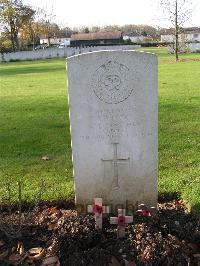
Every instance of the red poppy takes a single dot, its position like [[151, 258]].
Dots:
[[97, 209], [121, 221], [144, 213]]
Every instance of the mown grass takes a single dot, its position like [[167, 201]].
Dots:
[[34, 122], [179, 129]]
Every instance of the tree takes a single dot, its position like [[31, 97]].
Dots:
[[178, 11], [5, 43], [110, 28], [35, 28], [29, 34], [86, 30], [94, 29], [66, 32], [51, 30], [13, 15]]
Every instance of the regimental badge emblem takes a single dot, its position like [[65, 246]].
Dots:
[[110, 82]]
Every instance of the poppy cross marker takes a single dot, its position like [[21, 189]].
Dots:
[[143, 210], [98, 211], [121, 222]]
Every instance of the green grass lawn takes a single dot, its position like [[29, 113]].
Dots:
[[34, 122]]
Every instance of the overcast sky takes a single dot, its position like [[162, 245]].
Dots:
[[75, 13]]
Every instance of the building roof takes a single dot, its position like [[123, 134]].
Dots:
[[135, 34], [192, 30], [96, 36], [183, 30]]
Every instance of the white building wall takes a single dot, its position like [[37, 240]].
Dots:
[[193, 37], [167, 38], [190, 37], [134, 38], [55, 41]]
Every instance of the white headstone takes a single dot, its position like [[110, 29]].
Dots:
[[113, 116]]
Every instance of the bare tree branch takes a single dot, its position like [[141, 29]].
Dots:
[[178, 11]]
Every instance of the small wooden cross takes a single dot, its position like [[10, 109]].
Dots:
[[98, 211], [121, 222], [143, 210]]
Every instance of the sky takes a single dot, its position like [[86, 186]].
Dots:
[[78, 13]]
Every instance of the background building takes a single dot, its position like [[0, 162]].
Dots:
[[96, 38], [56, 41], [187, 35]]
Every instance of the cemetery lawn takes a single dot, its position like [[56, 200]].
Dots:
[[34, 123]]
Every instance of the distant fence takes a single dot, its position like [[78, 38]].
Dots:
[[194, 47], [59, 52], [186, 47]]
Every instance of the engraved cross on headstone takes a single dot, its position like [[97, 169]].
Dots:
[[115, 162]]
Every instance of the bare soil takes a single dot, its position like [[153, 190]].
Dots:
[[170, 237]]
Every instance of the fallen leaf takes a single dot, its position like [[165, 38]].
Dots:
[[53, 225], [114, 262], [36, 253], [2, 243], [129, 263], [20, 248], [51, 261], [45, 158], [3, 254], [197, 255], [52, 210], [15, 259]]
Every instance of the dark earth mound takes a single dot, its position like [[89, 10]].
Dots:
[[171, 237]]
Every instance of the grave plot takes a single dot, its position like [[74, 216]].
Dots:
[[60, 236]]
